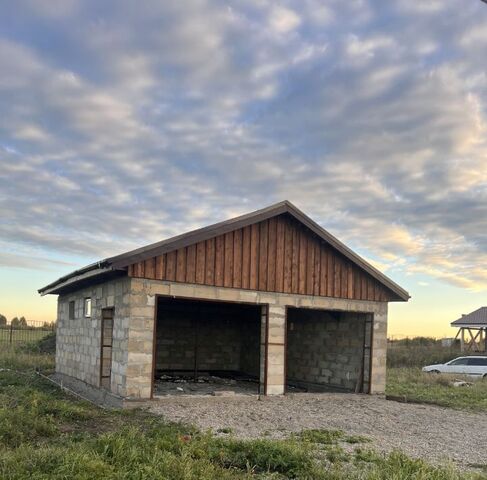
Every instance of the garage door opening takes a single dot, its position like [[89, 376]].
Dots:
[[328, 351], [207, 348]]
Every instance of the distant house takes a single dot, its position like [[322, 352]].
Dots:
[[270, 296], [472, 330], [447, 342]]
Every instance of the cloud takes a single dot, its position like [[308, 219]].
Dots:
[[284, 20], [123, 125], [32, 263]]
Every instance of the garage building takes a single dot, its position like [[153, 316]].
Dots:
[[264, 303]]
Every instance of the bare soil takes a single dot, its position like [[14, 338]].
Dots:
[[205, 385], [433, 433]]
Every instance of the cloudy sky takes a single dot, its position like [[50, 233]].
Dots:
[[126, 122]]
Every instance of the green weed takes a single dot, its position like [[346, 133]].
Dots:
[[226, 430], [45, 434], [418, 386], [324, 437]]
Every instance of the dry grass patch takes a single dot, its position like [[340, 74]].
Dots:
[[418, 386]]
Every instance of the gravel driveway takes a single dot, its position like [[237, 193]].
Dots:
[[434, 433]]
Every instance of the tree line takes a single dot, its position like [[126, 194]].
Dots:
[[19, 322], [16, 321]]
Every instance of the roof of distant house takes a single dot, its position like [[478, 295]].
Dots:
[[474, 319]]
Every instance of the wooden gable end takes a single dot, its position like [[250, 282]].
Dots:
[[275, 255]]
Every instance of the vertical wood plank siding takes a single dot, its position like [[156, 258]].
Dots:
[[276, 255]]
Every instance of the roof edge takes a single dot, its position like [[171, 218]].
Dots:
[[123, 260], [81, 272], [199, 234], [349, 253], [470, 319], [482, 326]]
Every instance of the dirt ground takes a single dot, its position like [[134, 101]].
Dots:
[[434, 433], [205, 385]]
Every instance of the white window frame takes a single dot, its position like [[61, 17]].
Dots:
[[87, 307]]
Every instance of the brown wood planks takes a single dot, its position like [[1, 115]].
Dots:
[[150, 268], [280, 239], [181, 265], [246, 257], [200, 269], [295, 260], [330, 286], [228, 270], [323, 269], [254, 257], [317, 268], [263, 258], [210, 262], [271, 258], [160, 273], [288, 257], [276, 255], [191, 264], [171, 266], [219, 260], [237, 259]]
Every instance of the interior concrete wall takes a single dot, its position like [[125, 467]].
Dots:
[[225, 340], [325, 349], [250, 347]]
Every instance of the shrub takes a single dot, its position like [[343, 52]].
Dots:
[[45, 345], [325, 437], [275, 456], [420, 355]]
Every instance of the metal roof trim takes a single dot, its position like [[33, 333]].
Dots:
[[123, 260]]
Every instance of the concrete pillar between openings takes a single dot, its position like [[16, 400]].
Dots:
[[140, 343], [379, 353], [276, 350]]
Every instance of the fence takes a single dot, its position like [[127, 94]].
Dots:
[[12, 334]]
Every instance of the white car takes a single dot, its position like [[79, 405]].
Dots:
[[474, 366]]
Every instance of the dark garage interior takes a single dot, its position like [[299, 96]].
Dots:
[[327, 351], [207, 348]]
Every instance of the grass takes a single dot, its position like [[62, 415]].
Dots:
[[410, 356], [45, 434], [405, 378], [418, 386], [330, 437], [22, 335]]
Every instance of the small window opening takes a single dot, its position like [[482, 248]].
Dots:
[[71, 310], [87, 307]]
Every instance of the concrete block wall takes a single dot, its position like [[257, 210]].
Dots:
[[263, 349], [379, 351], [218, 344], [78, 342], [250, 347], [78, 345], [224, 341], [276, 350], [175, 344], [138, 382], [272, 357], [323, 349]]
